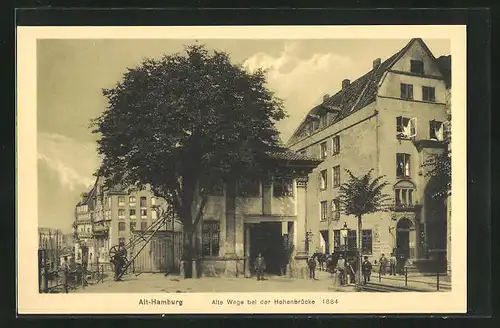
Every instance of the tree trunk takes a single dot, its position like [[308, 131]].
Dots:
[[187, 249], [360, 253]]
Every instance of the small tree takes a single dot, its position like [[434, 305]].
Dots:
[[363, 195], [184, 123]]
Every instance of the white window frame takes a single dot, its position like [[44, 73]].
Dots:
[[335, 174], [323, 148], [323, 179], [323, 211], [436, 128], [336, 145], [406, 165]]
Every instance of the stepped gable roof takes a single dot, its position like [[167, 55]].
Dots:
[[359, 93]]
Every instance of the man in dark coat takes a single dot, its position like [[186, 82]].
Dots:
[[118, 260], [311, 264], [366, 268], [260, 266]]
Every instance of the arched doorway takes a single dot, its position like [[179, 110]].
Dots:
[[405, 238]]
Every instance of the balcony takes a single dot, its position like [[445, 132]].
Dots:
[[405, 207], [101, 230]]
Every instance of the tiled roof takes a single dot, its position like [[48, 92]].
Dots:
[[289, 155], [358, 94]]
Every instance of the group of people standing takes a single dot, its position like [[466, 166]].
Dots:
[[346, 269], [394, 265]]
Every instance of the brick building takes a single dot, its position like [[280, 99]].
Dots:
[[389, 120]]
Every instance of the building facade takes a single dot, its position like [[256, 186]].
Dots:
[[266, 216], [105, 217], [239, 221], [390, 121]]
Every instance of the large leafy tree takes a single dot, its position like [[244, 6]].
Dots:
[[361, 195], [184, 123]]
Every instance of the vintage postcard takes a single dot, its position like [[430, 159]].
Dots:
[[252, 169]]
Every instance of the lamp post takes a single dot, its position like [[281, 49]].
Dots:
[[344, 232]]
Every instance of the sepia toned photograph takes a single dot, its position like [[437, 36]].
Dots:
[[178, 166]]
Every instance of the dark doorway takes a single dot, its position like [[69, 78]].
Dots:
[[266, 238], [403, 237], [324, 235]]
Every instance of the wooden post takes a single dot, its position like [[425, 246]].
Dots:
[[65, 278], [406, 277], [45, 273]]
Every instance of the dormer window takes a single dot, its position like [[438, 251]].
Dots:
[[323, 121], [417, 66]]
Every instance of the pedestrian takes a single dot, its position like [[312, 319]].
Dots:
[[383, 264], [260, 266], [65, 272], [119, 260], [341, 265], [351, 272], [400, 264], [393, 261], [311, 264], [366, 268]]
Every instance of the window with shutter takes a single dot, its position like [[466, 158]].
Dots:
[[404, 127], [436, 130]]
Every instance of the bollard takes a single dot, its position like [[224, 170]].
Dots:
[[406, 277], [437, 282], [65, 280], [379, 276]]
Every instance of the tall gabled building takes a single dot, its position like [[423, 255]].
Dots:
[[390, 120]]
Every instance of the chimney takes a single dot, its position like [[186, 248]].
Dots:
[[345, 83], [326, 97], [376, 63]]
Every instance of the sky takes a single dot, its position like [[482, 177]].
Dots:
[[71, 74]]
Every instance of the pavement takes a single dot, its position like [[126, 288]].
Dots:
[[418, 282], [154, 283]]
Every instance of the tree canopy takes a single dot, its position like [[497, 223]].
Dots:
[[186, 120], [363, 195]]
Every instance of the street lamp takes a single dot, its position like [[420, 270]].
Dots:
[[344, 232]]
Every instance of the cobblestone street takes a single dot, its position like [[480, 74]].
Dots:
[[154, 283]]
